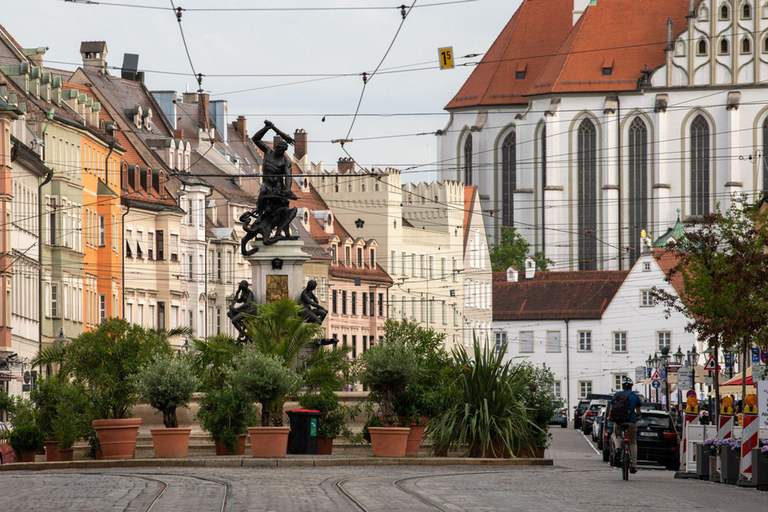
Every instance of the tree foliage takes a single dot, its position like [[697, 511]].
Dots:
[[166, 384], [512, 250]]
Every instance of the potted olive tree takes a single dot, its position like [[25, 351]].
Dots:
[[107, 360], [166, 384], [265, 379], [333, 418], [387, 369], [225, 413]]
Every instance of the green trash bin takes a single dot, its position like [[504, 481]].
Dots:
[[303, 437]]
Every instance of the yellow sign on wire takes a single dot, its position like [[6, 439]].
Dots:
[[446, 57]]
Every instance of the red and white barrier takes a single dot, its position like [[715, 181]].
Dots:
[[686, 465], [749, 440]]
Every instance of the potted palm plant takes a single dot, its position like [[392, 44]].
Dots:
[[387, 369], [265, 379], [225, 413], [168, 383], [106, 360]]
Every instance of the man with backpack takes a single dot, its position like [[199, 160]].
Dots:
[[623, 410]]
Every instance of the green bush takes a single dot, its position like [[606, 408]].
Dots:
[[168, 383], [73, 415], [264, 379], [27, 438], [490, 415], [225, 413], [387, 369], [45, 396], [539, 402], [333, 415]]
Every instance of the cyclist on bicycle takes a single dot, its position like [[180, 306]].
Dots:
[[623, 410]]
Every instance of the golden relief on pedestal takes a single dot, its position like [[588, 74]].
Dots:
[[277, 288]]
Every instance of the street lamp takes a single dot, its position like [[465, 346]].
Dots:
[[732, 353], [693, 359], [61, 339], [679, 356], [665, 361]]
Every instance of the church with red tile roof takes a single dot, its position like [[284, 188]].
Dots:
[[586, 122]]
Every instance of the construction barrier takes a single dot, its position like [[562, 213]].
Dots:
[[690, 436], [749, 435]]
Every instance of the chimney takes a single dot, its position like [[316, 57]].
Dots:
[[300, 146], [203, 111], [130, 67], [189, 98], [240, 127], [530, 268], [178, 134], [691, 8], [167, 102], [670, 34], [511, 274], [94, 54], [275, 140], [345, 165], [35, 55], [220, 115], [579, 6]]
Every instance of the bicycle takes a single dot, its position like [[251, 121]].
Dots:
[[625, 457]]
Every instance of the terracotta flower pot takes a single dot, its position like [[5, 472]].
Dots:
[[66, 455], [269, 441], [170, 442], [222, 450], [27, 456], [98, 454], [389, 441], [52, 451], [324, 445], [118, 437], [415, 436]]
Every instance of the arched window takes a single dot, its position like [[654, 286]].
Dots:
[[699, 166], [701, 47], [508, 179], [724, 50], [587, 195], [543, 184], [725, 13], [468, 160], [746, 45], [765, 45], [703, 13], [746, 11], [764, 159], [638, 185]]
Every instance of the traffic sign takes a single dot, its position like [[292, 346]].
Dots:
[[755, 355], [639, 373], [764, 356], [656, 384], [656, 377], [446, 57], [711, 364], [684, 378], [663, 373], [690, 394]]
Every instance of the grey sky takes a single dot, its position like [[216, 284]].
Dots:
[[306, 42]]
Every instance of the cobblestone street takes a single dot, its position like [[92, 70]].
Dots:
[[579, 481]]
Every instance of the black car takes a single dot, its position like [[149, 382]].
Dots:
[[589, 416], [578, 411], [657, 439], [560, 417]]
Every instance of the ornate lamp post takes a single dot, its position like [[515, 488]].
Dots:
[[649, 366], [656, 365], [665, 362], [693, 360]]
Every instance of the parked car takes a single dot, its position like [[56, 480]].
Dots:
[[560, 417], [657, 439], [578, 411], [605, 434], [597, 425], [590, 414]]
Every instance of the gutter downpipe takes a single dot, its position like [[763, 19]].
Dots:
[[567, 365], [618, 141], [40, 243]]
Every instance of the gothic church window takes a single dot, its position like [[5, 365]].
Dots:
[[746, 11], [587, 195], [701, 47], [765, 44], [508, 178], [724, 49], [468, 160], [638, 185], [699, 166], [746, 45], [725, 13], [703, 13]]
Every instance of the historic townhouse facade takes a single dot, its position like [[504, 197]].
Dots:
[[581, 136]]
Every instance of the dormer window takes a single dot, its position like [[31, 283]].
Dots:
[[372, 258], [520, 72], [360, 257], [347, 255], [607, 67], [334, 253]]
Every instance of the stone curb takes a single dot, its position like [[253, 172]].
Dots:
[[270, 463]]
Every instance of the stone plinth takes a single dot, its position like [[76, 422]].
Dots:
[[271, 283]]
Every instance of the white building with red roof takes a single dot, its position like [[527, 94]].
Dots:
[[586, 123]]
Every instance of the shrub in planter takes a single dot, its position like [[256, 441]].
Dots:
[[490, 417], [539, 402], [265, 379], [63, 414], [26, 440], [167, 383], [226, 413], [730, 451], [333, 417], [387, 369]]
